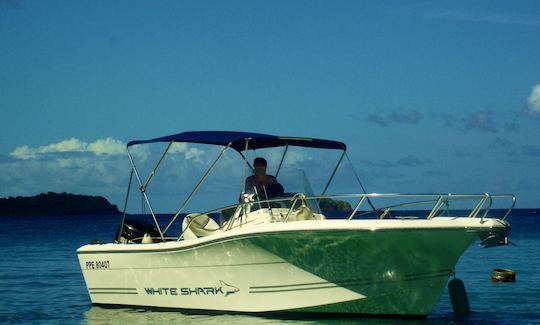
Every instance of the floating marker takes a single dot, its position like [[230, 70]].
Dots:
[[503, 275]]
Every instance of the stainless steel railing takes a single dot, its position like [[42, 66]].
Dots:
[[480, 202]]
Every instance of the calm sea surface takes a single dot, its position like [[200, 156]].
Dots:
[[40, 279]]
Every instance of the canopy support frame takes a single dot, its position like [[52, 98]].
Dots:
[[196, 189], [143, 191]]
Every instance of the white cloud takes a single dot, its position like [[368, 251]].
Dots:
[[534, 100], [24, 152], [190, 153], [82, 174], [141, 153], [100, 167], [108, 146], [69, 145]]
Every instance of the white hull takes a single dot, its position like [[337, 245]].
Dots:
[[378, 267]]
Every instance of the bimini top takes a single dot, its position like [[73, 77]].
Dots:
[[238, 140]]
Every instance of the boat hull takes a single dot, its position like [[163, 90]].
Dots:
[[309, 266]]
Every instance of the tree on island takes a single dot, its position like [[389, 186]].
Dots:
[[327, 204], [56, 204]]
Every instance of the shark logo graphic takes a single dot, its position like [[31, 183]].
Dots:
[[228, 289]]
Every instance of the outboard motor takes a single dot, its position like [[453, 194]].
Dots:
[[134, 231]]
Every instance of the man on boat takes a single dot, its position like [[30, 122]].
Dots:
[[265, 185]]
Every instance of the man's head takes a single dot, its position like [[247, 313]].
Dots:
[[259, 165]]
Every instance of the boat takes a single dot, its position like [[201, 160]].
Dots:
[[283, 253]]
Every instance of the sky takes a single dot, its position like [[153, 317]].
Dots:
[[429, 96]]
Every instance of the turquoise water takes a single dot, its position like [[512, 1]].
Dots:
[[40, 279]]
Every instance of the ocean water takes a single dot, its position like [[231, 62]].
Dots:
[[40, 279]]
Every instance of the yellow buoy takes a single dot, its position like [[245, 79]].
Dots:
[[503, 275]]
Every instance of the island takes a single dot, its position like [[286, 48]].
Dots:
[[327, 204], [60, 204]]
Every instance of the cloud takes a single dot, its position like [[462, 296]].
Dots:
[[396, 117], [70, 145], [405, 117], [487, 120], [100, 167], [468, 154], [407, 161], [447, 119], [412, 161], [511, 126], [502, 143], [108, 146], [533, 100], [377, 119], [190, 153], [83, 173], [531, 150], [373, 163], [10, 4], [24, 152], [476, 16], [480, 121]]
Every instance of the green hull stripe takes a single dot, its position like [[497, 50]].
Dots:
[[113, 293], [356, 282], [297, 289]]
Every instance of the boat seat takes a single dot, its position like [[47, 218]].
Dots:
[[197, 225]]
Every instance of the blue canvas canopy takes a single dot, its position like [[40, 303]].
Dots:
[[238, 140]]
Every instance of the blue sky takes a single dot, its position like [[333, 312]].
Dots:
[[429, 96]]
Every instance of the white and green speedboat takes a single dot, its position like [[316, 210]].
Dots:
[[282, 253]]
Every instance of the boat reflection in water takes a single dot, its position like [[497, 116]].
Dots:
[[278, 252]]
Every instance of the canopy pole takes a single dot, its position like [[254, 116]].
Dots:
[[333, 173], [282, 158], [153, 172], [244, 176], [143, 191], [244, 158], [196, 189], [125, 207]]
